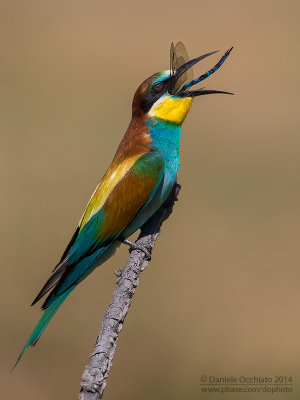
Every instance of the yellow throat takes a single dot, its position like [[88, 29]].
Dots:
[[172, 109]]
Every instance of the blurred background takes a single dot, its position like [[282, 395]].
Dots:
[[221, 295]]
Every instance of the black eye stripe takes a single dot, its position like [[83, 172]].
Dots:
[[158, 87], [156, 91]]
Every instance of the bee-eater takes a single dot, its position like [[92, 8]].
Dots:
[[136, 184]]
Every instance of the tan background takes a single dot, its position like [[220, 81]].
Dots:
[[222, 294]]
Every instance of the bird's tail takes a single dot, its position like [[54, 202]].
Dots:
[[44, 321]]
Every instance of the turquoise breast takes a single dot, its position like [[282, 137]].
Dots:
[[166, 140]]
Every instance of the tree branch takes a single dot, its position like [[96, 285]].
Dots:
[[95, 374]]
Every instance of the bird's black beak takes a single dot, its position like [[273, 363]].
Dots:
[[183, 92]]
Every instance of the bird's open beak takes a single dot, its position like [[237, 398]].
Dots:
[[183, 92]]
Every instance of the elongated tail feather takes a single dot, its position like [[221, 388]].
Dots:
[[44, 321]]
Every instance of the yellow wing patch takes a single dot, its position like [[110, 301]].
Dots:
[[105, 187], [172, 109]]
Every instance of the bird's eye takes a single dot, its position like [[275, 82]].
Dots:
[[158, 87]]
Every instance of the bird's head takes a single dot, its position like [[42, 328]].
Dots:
[[165, 95]]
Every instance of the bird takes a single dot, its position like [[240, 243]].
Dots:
[[137, 182]]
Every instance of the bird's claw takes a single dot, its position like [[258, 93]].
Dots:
[[134, 246]]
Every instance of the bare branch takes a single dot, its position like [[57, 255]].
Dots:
[[95, 374]]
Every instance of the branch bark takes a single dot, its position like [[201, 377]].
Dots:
[[96, 372]]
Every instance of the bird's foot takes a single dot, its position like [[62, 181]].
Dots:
[[134, 246]]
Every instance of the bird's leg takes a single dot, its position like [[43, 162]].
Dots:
[[135, 246]]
